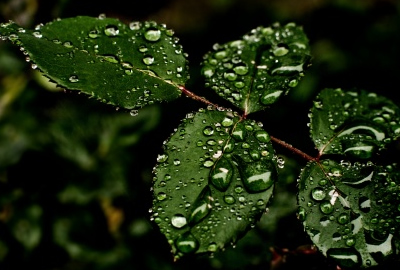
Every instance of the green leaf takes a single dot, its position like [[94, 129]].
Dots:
[[213, 181], [255, 71], [351, 211], [353, 123], [125, 65]]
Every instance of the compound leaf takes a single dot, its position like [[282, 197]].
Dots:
[[351, 211], [213, 181], [353, 123], [255, 71], [125, 65]]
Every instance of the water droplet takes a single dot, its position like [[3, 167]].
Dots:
[[37, 34], [134, 112], [270, 97], [152, 34], [301, 213], [343, 218], [187, 243], [239, 133], [212, 247], [201, 206], [229, 199], [93, 34], [227, 122], [162, 158], [134, 25], [177, 162], [230, 75], [256, 176], [73, 79], [161, 196], [207, 72], [111, 30], [241, 69], [148, 60], [326, 207], [221, 174], [280, 51], [178, 221], [208, 131], [318, 194], [208, 163]]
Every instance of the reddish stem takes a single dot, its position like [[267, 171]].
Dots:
[[293, 149], [196, 97]]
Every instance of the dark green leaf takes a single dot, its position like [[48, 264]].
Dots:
[[351, 211], [213, 181], [353, 123], [126, 65], [254, 72]]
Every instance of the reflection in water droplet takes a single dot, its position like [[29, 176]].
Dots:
[[162, 158], [134, 25], [187, 243], [208, 131], [257, 176], [73, 79], [270, 97], [161, 196], [148, 60], [152, 34], [201, 206], [343, 218], [111, 30], [229, 199], [326, 207], [178, 221], [221, 174], [318, 194]]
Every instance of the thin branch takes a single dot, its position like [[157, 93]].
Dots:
[[196, 97], [293, 149]]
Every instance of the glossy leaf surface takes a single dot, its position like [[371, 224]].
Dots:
[[213, 181], [353, 123], [255, 71], [351, 211], [125, 65]]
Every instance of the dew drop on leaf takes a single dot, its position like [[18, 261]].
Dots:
[[178, 221], [152, 34], [111, 30], [187, 243], [221, 174]]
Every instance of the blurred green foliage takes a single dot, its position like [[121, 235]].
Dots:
[[75, 175]]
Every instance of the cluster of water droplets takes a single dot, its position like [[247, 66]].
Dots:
[[266, 63], [212, 173], [356, 124], [351, 211]]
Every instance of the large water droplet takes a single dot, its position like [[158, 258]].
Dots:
[[148, 60], [221, 174], [208, 131], [256, 176], [178, 221], [111, 30], [187, 243], [241, 69], [270, 97], [326, 207], [318, 194], [201, 206], [152, 34]]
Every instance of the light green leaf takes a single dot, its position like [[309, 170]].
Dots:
[[213, 181], [125, 65], [351, 211], [255, 71], [353, 123]]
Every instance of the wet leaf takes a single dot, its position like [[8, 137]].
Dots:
[[129, 66], [353, 123], [255, 71], [351, 211], [213, 181]]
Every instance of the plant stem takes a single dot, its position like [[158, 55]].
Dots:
[[293, 149], [196, 97]]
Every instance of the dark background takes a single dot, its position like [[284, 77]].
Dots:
[[75, 175]]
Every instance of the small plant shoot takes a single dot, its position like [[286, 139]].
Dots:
[[215, 175]]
